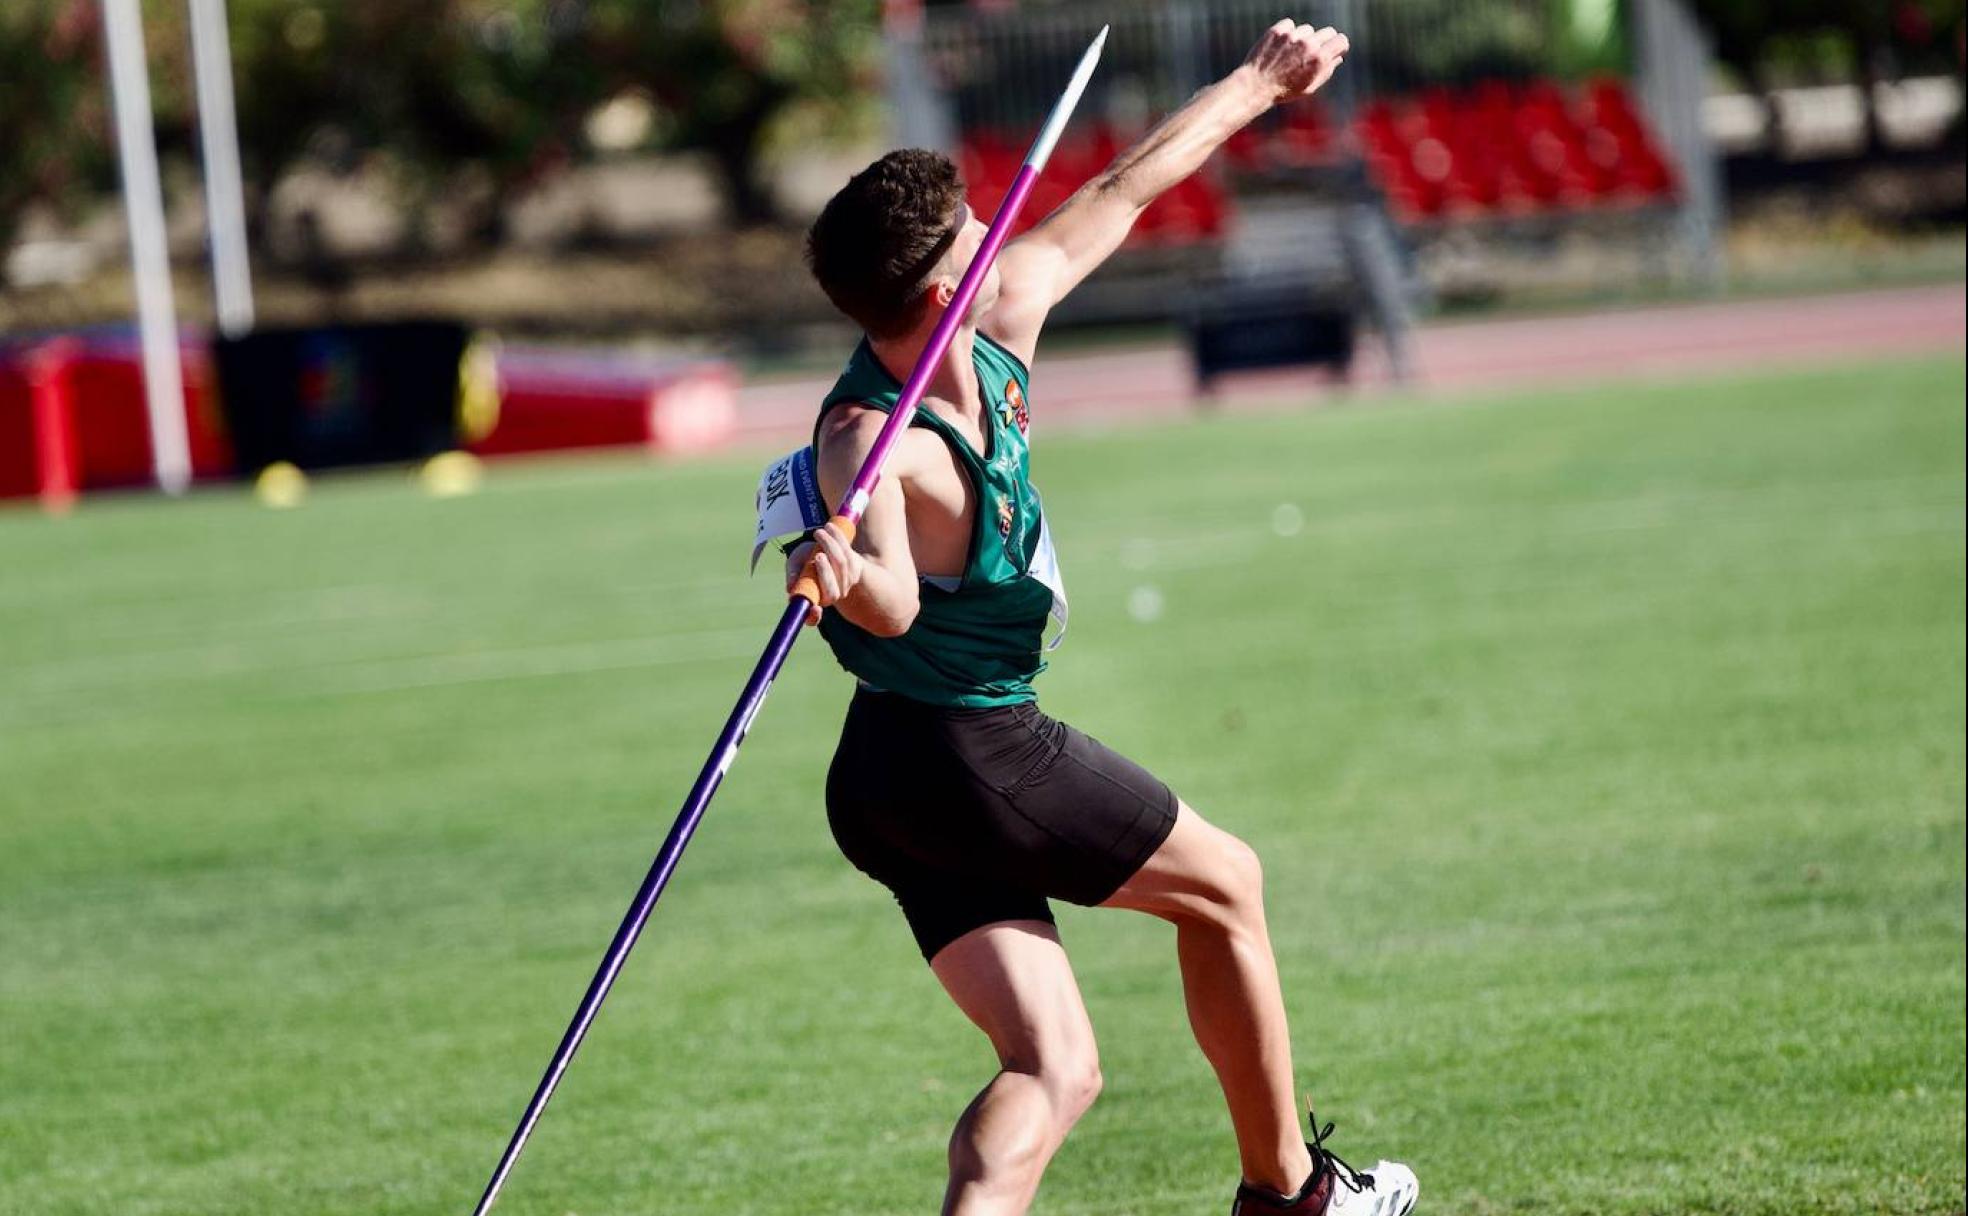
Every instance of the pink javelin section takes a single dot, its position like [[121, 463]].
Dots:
[[939, 342], [1473, 356]]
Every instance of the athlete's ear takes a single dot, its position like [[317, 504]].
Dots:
[[942, 292]]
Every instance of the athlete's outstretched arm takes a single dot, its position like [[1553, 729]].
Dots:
[[872, 580], [1038, 269]]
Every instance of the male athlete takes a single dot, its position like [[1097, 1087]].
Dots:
[[950, 786]]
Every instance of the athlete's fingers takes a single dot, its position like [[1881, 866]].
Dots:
[[1328, 58], [796, 564], [823, 573], [837, 585], [848, 564], [1269, 43], [832, 541], [828, 558]]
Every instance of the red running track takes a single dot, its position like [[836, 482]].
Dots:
[[1477, 356]]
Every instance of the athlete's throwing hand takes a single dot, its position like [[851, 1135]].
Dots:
[[837, 568], [1297, 59]]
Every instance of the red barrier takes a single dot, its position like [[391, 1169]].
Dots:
[[48, 367], [79, 422], [20, 475], [112, 418], [90, 410], [551, 400]]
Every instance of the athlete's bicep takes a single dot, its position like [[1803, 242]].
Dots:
[[1043, 266]]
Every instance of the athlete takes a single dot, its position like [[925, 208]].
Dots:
[[949, 786]]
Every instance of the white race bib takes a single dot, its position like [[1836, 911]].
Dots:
[[789, 501]]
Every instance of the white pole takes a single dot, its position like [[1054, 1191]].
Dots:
[[143, 201], [218, 136]]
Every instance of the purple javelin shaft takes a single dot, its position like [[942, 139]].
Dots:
[[708, 780], [784, 634]]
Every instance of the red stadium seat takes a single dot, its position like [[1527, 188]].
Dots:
[[1197, 209], [1493, 149]]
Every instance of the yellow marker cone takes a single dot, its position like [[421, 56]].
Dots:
[[280, 485], [451, 474]]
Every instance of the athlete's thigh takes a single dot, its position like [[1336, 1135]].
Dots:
[[1198, 868], [1012, 979]]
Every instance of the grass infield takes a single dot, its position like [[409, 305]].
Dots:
[[1605, 748]]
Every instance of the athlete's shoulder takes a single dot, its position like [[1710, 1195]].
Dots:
[[848, 431], [850, 423]]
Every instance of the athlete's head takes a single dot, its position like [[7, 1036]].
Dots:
[[895, 241]]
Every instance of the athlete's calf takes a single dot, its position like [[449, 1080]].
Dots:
[[1210, 885], [1012, 979]]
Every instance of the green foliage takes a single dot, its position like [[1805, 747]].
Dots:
[[1425, 42], [488, 93], [54, 111], [1605, 748], [1759, 37], [451, 90], [726, 69]]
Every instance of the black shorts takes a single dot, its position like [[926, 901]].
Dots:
[[972, 816]]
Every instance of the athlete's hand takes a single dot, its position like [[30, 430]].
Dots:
[[837, 568], [1295, 60]]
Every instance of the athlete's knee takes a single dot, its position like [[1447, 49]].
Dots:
[[1070, 1077], [1074, 1089], [1232, 881]]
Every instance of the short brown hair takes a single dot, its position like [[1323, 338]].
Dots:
[[877, 242]]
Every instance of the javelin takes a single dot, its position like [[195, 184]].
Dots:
[[803, 598]]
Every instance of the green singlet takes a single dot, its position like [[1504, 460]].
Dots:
[[978, 639]]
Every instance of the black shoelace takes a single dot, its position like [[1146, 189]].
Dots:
[[1325, 1158]]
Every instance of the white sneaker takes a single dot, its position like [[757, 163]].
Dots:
[[1336, 1188], [1388, 1189]]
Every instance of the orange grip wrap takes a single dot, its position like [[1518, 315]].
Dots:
[[807, 586]]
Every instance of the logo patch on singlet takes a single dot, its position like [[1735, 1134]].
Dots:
[[1015, 399], [1005, 517]]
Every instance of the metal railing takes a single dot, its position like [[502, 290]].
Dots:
[[997, 67], [966, 70]]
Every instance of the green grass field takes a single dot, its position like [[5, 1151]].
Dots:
[[1605, 747]]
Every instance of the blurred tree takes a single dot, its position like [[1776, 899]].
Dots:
[[469, 99], [452, 90], [1765, 41], [54, 111], [725, 70], [496, 92]]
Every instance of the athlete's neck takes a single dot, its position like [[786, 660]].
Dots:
[[953, 389]]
